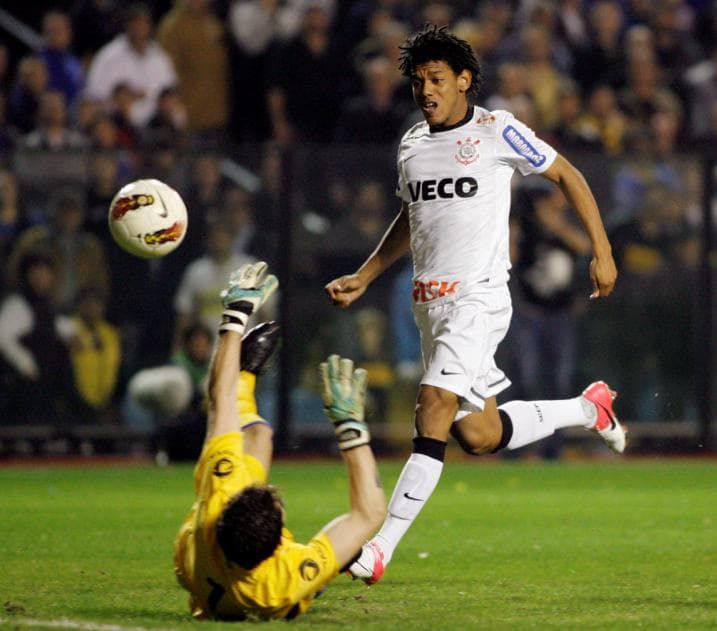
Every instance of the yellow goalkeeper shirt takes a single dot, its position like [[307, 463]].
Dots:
[[279, 587]]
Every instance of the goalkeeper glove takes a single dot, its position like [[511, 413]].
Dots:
[[343, 393], [248, 289]]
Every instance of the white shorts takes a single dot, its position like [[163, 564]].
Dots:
[[459, 338]]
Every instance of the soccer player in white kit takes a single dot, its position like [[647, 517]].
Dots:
[[454, 174]]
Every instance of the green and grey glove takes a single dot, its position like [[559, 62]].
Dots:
[[247, 290], [344, 393]]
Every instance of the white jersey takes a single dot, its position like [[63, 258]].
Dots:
[[456, 183]]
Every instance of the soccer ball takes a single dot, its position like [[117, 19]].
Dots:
[[147, 218]]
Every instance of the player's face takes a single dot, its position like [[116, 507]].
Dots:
[[440, 92]]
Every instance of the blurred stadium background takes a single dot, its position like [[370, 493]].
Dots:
[[278, 122]]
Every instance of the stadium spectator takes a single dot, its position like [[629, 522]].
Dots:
[[197, 44], [196, 298], [53, 131], [565, 133], [169, 125], [7, 137], [269, 205], [306, 82], [548, 247], [657, 250], [38, 387], [95, 23], [543, 77], [203, 198], [602, 60], [512, 91], [603, 125], [541, 16], [377, 103], [363, 222], [127, 135], [382, 40], [461, 299], [11, 215], [25, 94], [373, 353], [95, 351], [78, 256], [132, 58], [642, 169], [257, 28], [104, 135], [64, 69], [675, 46], [406, 343], [359, 20], [5, 69], [645, 92], [106, 174], [260, 571], [487, 35], [571, 24], [176, 420], [701, 79], [86, 114], [238, 211]]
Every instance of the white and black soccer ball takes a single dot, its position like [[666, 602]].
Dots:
[[148, 218]]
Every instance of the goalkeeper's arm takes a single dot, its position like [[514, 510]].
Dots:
[[344, 391], [249, 287]]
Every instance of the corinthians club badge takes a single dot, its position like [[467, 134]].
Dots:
[[467, 152]]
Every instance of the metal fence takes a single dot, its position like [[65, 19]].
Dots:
[[320, 210]]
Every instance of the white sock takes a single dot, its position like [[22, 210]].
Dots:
[[535, 420], [417, 481]]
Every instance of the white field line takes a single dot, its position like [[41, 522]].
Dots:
[[65, 623]]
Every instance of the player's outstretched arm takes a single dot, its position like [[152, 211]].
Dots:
[[249, 287], [603, 271], [344, 392], [345, 290]]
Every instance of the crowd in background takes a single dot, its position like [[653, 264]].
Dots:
[[211, 97]]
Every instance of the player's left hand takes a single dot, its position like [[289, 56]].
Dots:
[[603, 274], [344, 392]]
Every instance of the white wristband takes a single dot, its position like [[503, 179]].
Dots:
[[233, 320]]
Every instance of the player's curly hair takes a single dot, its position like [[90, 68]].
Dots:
[[249, 528], [436, 43]]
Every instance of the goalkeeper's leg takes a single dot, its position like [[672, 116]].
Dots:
[[257, 347], [257, 431]]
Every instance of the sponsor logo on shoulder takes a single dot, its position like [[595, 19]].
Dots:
[[223, 467], [486, 119], [309, 569], [522, 147]]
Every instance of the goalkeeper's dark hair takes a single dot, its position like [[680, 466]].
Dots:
[[249, 528], [434, 43]]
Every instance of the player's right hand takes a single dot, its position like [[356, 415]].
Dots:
[[249, 287], [344, 393], [345, 290], [603, 274]]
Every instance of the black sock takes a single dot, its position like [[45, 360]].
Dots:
[[507, 430], [430, 447]]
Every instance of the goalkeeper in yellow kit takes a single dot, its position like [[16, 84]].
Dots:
[[233, 553]]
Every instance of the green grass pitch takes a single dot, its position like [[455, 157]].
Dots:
[[616, 544]]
